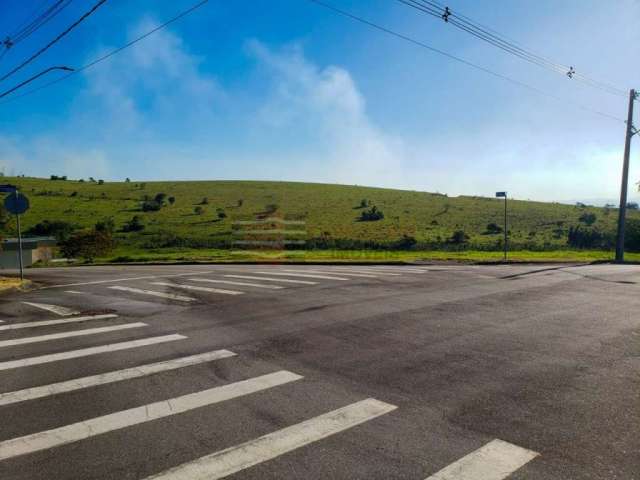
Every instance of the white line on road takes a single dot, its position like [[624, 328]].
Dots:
[[85, 352], [170, 296], [231, 282], [135, 416], [57, 309], [74, 292], [74, 333], [127, 279], [110, 377], [399, 269], [365, 270], [62, 321], [235, 459], [494, 461], [198, 289], [324, 277], [269, 279], [348, 274]]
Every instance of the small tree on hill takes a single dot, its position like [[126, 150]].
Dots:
[[493, 228], [588, 218], [458, 237], [151, 206], [133, 225], [198, 210], [171, 200], [371, 215]]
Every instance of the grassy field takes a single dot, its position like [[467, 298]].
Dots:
[[537, 230]]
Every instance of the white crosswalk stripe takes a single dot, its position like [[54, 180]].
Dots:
[[110, 377], [242, 284], [85, 352], [347, 274], [304, 275], [153, 293], [198, 288], [57, 309], [74, 333], [270, 279], [235, 459], [62, 321], [494, 461], [134, 416]]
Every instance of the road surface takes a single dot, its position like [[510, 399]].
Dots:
[[322, 372]]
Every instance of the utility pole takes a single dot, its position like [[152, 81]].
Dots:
[[622, 210]]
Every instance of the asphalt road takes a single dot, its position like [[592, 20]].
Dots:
[[417, 372]]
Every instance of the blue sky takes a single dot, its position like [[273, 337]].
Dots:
[[286, 90]]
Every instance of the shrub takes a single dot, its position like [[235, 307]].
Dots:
[[74, 194], [493, 228], [160, 197], [133, 225], [204, 201], [221, 214], [58, 229], [589, 237], [632, 206], [364, 203], [172, 200], [240, 202], [458, 237], [151, 206], [198, 210], [107, 225], [56, 177], [588, 218], [100, 182], [371, 215], [87, 244], [127, 180]]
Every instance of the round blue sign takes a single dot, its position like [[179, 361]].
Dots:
[[16, 203]]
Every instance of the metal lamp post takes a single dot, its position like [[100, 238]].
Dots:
[[504, 195]]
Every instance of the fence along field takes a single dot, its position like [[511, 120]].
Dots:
[[169, 216]]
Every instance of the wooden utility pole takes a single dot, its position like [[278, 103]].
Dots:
[[622, 211]]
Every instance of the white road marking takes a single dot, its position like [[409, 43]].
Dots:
[[57, 309], [494, 461], [74, 333], [365, 270], [127, 279], [324, 277], [199, 289], [85, 352], [110, 377], [134, 416], [74, 291], [400, 269], [62, 321], [324, 272], [231, 282], [170, 296], [269, 279], [235, 459]]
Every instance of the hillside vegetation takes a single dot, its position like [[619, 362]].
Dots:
[[201, 214]]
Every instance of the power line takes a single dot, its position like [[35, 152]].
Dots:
[[111, 53], [492, 37], [460, 60], [52, 42], [40, 21]]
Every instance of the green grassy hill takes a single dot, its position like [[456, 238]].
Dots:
[[330, 212]]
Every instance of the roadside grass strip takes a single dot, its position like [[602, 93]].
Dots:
[[304, 275], [57, 309], [46, 323], [110, 377], [198, 288], [235, 459], [170, 296], [74, 333], [134, 416], [85, 352], [271, 279], [494, 461], [243, 284]]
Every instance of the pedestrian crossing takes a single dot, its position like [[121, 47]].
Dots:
[[495, 461]]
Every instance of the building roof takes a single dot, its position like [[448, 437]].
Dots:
[[28, 243]]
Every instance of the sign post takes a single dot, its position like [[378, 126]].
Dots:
[[504, 195], [17, 204]]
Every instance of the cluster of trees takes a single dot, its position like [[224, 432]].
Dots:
[[371, 215], [56, 177], [155, 204]]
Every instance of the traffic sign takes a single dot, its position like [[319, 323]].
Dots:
[[16, 203]]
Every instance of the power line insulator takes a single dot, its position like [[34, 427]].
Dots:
[[571, 72], [445, 15]]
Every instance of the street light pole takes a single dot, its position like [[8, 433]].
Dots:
[[504, 195]]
